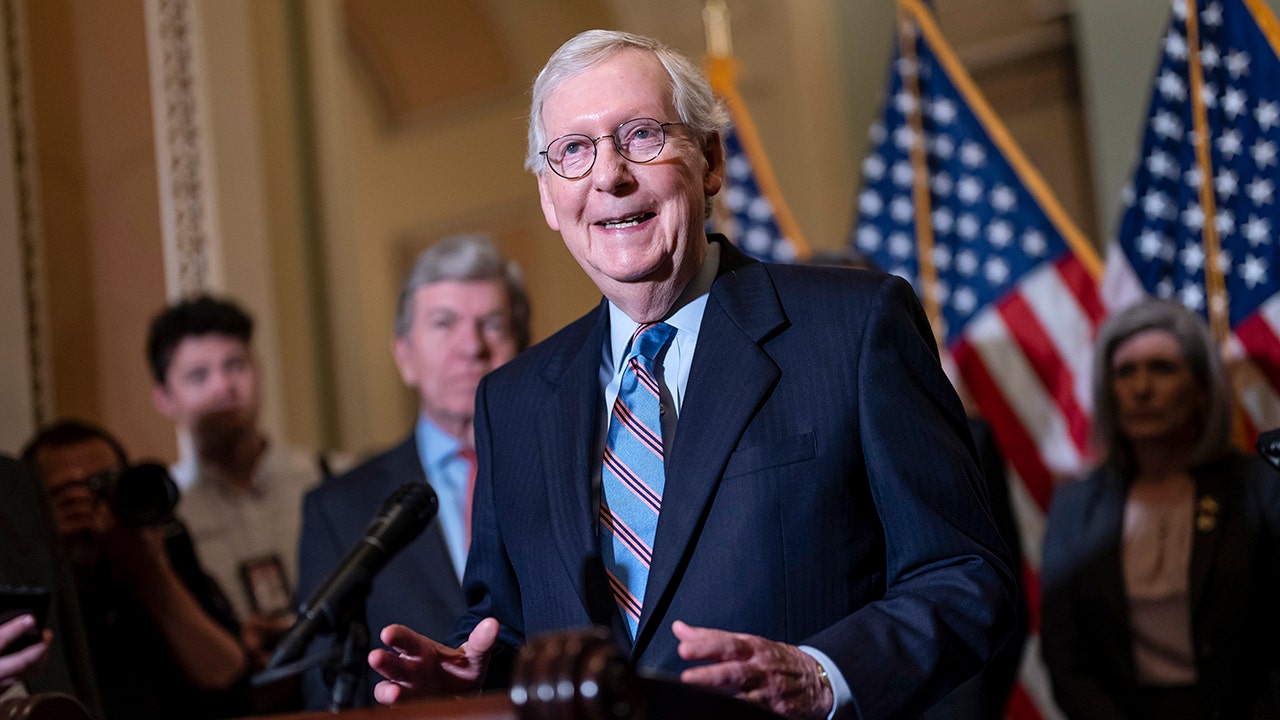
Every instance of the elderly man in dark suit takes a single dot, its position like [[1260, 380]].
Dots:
[[767, 461], [462, 312]]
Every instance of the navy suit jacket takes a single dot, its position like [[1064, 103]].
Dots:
[[821, 489], [417, 588], [1234, 587]]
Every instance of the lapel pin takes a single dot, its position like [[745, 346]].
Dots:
[[1206, 514]]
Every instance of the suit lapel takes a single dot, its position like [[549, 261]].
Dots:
[[431, 556], [1211, 501], [567, 439], [1106, 524], [730, 376]]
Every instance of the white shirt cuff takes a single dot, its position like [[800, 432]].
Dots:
[[839, 686]]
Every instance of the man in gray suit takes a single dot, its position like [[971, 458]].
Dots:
[[462, 312]]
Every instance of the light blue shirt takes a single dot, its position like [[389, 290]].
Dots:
[[449, 474], [674, 379]]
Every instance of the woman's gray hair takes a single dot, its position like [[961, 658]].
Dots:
[[1202, 357], [699, 109], [466, 257]]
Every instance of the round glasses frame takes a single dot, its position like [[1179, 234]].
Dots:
[[632, 148]]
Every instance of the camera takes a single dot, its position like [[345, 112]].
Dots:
[[143, 495]]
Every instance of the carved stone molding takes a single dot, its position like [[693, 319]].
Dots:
[[22, 128], [181, 154]]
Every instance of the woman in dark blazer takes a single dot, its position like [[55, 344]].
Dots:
[[1161, 569]]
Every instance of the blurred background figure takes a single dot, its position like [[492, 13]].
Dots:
[[1161, 573], [31, 557], [242, 494], [161, 633], [462, 312]]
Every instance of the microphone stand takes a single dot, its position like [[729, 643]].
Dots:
[[345, 667], [343, 662]]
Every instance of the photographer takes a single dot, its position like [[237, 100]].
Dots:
[[162, 636]]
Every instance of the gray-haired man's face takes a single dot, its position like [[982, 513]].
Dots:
[[460, 331]]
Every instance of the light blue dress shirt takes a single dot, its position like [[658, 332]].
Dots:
[[676, 362], [449, 474]]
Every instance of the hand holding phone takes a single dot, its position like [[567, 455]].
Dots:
[[22, 633], [16, 601]]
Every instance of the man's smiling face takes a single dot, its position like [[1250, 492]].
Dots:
[[628, 222]]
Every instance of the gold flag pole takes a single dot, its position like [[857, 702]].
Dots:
[[722, 72], [919, 173], [1214, 284]]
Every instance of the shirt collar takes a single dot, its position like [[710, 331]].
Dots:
[[686, 317], [435, 446]]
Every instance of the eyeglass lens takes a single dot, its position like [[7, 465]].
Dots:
[[639, 140]]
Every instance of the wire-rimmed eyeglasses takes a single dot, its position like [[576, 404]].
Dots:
[[639, 140]]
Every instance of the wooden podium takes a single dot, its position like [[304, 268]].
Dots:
[[570, 676], [565, 676]]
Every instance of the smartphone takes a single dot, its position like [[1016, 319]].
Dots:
[[17, 600]]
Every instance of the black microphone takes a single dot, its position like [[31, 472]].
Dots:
[[402, 518], [1269, 447]]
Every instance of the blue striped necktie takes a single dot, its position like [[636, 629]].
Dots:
[[633, 474]]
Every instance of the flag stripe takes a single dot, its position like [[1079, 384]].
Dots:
[[1033, 678], [1044, 361], [1017, 445], [1083, 288], [1022, 390], [1021, 705], [1031, 591], [1260, 341], [1070, 324], [1258, 396], [1030, 518]]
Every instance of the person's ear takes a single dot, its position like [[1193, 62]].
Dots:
[[161, 400], [713, 152], [403, 353], [548, 207]]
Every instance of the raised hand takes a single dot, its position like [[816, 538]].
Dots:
[[778, 676], [417, 666]]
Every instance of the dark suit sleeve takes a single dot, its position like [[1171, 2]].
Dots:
[[948, 599], [1073, 662], [1263, 487]]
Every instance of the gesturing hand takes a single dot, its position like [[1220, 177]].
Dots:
[[778, 676], [417, 666]]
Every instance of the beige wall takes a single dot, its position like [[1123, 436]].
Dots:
[[96, 181]]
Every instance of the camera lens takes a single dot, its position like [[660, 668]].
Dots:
[[144, 495]]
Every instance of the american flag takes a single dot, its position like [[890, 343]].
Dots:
[[750, 208], [1013, 292], [1165, 242], [745, 212]]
